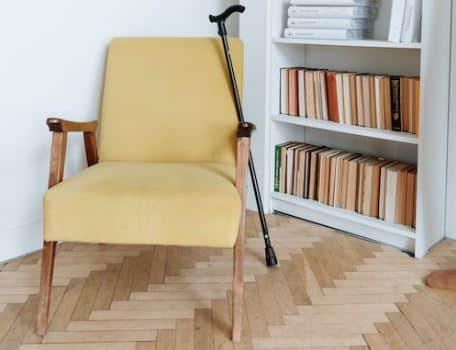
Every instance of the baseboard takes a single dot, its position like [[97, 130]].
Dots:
[[21, 240], [451, 235]]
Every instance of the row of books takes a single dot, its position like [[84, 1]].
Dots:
[[370, 186], [373, 101], [331, 19]]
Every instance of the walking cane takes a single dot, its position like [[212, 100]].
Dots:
[[271, 259]]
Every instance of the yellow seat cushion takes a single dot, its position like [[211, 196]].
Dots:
[[182, 204]]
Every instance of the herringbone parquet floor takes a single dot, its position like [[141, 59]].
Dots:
[[331, 292]]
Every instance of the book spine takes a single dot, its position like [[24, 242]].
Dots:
[[396, 124], [329, 23], [334, 34], [331, 12], [278, 150], [397, 20], [333, 2]]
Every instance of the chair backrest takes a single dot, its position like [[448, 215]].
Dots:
[[169, 100]]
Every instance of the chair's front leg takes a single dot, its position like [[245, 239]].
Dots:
[[47, 272], [243, 154], [58, 151]]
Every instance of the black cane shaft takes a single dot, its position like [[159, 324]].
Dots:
[[234, 86], [256, 191], [237, 98]]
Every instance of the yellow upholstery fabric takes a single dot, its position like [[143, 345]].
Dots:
[[169, 100], [146, 203], [167, 151]]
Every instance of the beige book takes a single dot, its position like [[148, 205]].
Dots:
[[290, 168], [382, 195], [318, 100], [302, 92], [392, 193], [343, 195], [301, 153], [340, 97], [410, 197], [347, 98], [283, 167], [359, 100], [338, 181], [402, 196], [352, 185], [353, 102], [310, 95], [313, 176], [373, 111], [379, 102], [334, 177], [405, 104], [324, 96], [387, 103], [360, 193], [307, 169], [325, 175], [293, 107], [366, 101], [297, 177]]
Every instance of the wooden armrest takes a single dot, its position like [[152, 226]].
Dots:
[[245, 130], [61, 125]]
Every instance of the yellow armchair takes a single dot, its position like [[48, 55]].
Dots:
[[172, 159]]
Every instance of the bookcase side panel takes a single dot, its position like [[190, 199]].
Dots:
[[432, 159]]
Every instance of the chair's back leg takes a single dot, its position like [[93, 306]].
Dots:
[[47, 270]]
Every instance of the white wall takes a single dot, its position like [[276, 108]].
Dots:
[[51, 64], [451, 178], [252, 32]]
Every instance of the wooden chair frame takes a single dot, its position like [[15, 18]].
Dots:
[[60, 129]]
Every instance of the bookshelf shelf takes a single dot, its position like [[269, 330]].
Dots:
[[375, 229], [267, 51], [349, 129], [350, 43]]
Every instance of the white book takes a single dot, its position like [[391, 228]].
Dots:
[[330, 23], [331, 34], [302, 93], [332, 11], [334, 2], [411, 28], [284, 91], [397, 20]]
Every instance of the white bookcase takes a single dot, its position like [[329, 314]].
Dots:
[[267, 51]]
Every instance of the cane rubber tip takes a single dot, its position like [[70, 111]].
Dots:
[[271, 258]]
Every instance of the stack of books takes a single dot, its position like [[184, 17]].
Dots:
[[373, 101], [370, 186], [331, 19]]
